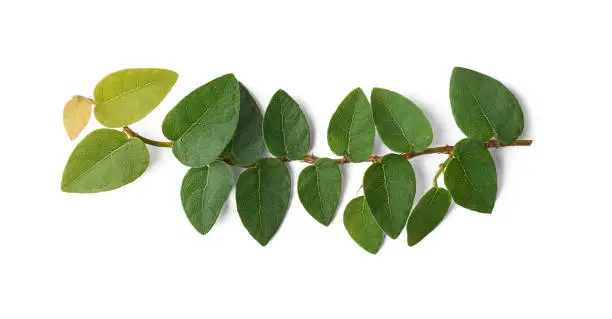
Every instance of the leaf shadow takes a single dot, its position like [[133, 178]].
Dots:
[[226, 209], [438, 130], [304, 107], [499, 167]]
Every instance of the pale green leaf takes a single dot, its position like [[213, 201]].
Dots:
[[125, 97], [104, 160], [389, 188], [76, 115], [262, 197], [471, 176], [319, 188], [484, 108], [362, 226], [203, 193], [401, 124], [285, 127], [203, 122]]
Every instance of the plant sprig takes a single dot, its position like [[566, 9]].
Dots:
[[219, 125]]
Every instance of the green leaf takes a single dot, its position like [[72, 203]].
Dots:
[[389, 188], [427, 214], [483, 107], [262, 197], [362, 226], [285, 127], [247, 145], [204, 121], [203, 193], [351, 129], [319, 188], [471, 177], [104, 160], [125, 97], [401, 124]]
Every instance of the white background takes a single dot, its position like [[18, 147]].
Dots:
[[131, 253]]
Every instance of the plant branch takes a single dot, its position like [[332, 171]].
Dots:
[[131, 133], [448, 149]]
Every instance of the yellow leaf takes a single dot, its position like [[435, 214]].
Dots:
[[76, 115]]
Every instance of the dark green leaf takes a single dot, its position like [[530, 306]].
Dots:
[[362, 226], [483, 107], [126, 96], [401, 124], [104, 160], [285, 127], [427, 214], [203, 122], [203, 193], [262, 197], [471, 176], [247, 145], [389, 188], [351, 129], [319, 188]]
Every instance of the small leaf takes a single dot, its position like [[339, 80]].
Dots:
[[362, 226], [483, 107], [427, 214], [389, 188], [104, 160], [247, 145], [76, 115], [471, 177], [262, 197], [125, 97], [203, 122], [319, 188], [203, 193], [351, 129], [401, 124], [285, 127]]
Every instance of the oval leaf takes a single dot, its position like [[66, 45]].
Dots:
[[483, 107], [262, 197], [319, 188], [351, 129], [285, 127], [362, 226], [427, 214], [203, 122], [104, 160], [471, 177], [401, 124], [247, 145], [389, 188], [127, 96], [76, 115], [203, 193]]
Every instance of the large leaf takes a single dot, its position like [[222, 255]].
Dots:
[[247, 145], [285, 127], [471, 177], [76, 115], [262, 197], [401, 124], [319, 188], [104, 160], [204, 121], [203, 193], [389, 188], [351, 129], [483, 107], [427, 214], [126, 96], [362, 226]]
